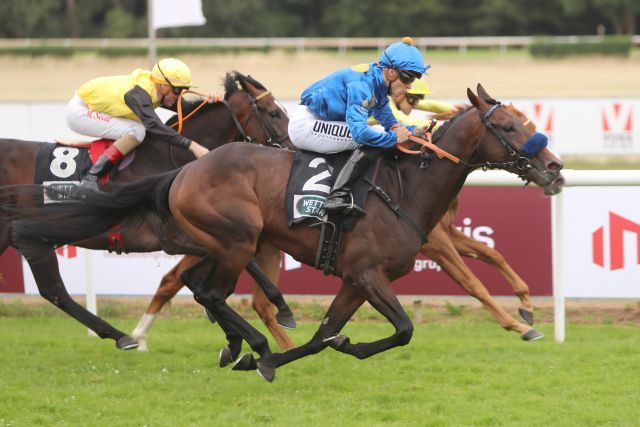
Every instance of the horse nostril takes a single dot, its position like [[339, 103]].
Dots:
[[554, 166]]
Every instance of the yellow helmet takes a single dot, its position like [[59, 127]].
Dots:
[[419, 87], [173, 72]]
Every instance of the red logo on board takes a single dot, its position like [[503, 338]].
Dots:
[[618, 225], [542, 116], [617, 125], [67, 251]]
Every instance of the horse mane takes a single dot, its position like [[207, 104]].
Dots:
[[232, 79], [446, 125]]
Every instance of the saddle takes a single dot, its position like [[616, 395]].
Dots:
[[310, 182]]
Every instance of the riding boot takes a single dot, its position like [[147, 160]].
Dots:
[[104, 164], [340, 199]]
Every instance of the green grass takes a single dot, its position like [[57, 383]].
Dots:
[[52, 373]]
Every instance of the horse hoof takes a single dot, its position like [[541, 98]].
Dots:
[[286, 320], [245, 363], [337, 341], [142, 344], [268, 373], [526, 315], [225, 357], [532, 335], [127, 343], [209, 315]]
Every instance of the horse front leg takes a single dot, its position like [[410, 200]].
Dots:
[[346, 302], [169, 287], [374, 286], [472, 248], [442, 250], [46, 272]]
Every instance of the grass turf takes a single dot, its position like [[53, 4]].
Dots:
[[52, 373]]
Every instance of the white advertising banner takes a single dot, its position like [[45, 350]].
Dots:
[[111, 274], [576, 126], [601, 232]]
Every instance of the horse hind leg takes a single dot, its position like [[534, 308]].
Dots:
[[472, 248], [169, 287], [442, 250], [212, 281], [50, 285]]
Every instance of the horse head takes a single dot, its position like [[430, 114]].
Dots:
[[508, 144], [258, 111]]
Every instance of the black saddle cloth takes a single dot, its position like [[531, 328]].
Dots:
[[310, 181], [57, 162]]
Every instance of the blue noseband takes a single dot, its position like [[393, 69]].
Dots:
[[536, 143]]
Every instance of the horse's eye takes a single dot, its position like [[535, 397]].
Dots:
[[275, 114], [509, 128]]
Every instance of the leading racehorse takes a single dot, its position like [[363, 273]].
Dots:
[[231, 201], [249, 112]]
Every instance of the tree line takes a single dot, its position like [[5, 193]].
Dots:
[[325, 18]]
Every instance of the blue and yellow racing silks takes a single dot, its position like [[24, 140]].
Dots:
[[352, 95]]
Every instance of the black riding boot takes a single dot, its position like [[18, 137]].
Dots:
[[99, 168], [340, 199]]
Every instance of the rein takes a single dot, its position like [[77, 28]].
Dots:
[[520, 162], [268, 130]]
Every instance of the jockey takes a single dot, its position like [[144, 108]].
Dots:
[[122, 108], [333, 113], [403, 105]]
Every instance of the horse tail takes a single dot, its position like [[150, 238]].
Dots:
[[88, 214]]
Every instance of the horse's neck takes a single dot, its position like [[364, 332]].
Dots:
[[430, 192], [210, 128]]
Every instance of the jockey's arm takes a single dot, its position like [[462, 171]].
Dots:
[[358, 94], [406, 119], [434, 106], [140, 103]]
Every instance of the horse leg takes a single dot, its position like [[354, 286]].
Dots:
[[472, 248], [268, 257], [346, 302], [212, 281], [169, 287], [442, 250], [47, 275]]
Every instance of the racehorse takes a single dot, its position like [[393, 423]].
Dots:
[[248, 112], [446, 246], [225, 202]]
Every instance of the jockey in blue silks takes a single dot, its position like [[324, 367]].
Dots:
[[332, 116]]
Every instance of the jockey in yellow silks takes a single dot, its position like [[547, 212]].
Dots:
[[122, 108]]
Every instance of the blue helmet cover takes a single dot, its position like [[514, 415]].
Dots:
[[403, 56]]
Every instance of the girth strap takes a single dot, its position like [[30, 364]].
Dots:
[[397, 209]]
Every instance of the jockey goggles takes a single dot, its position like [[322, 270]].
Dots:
[[406, 77], [175, 89]]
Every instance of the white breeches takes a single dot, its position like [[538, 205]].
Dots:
[[84, 121], [308, 132]]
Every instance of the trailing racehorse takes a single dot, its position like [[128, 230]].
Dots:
[[231, 201], [249, 112]]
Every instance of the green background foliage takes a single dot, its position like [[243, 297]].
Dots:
[[325, 18]]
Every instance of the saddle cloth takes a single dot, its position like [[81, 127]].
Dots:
[[310, 181], [60, 164]]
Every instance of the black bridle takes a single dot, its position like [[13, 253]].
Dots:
[[272, 137], [518, 161]]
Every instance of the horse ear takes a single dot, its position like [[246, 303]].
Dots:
[[473, 98], [482, 93]]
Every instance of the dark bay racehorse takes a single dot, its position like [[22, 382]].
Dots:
[[249, 112], [231, 201], [446, 246]]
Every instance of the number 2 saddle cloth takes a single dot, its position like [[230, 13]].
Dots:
[[310, 181]]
